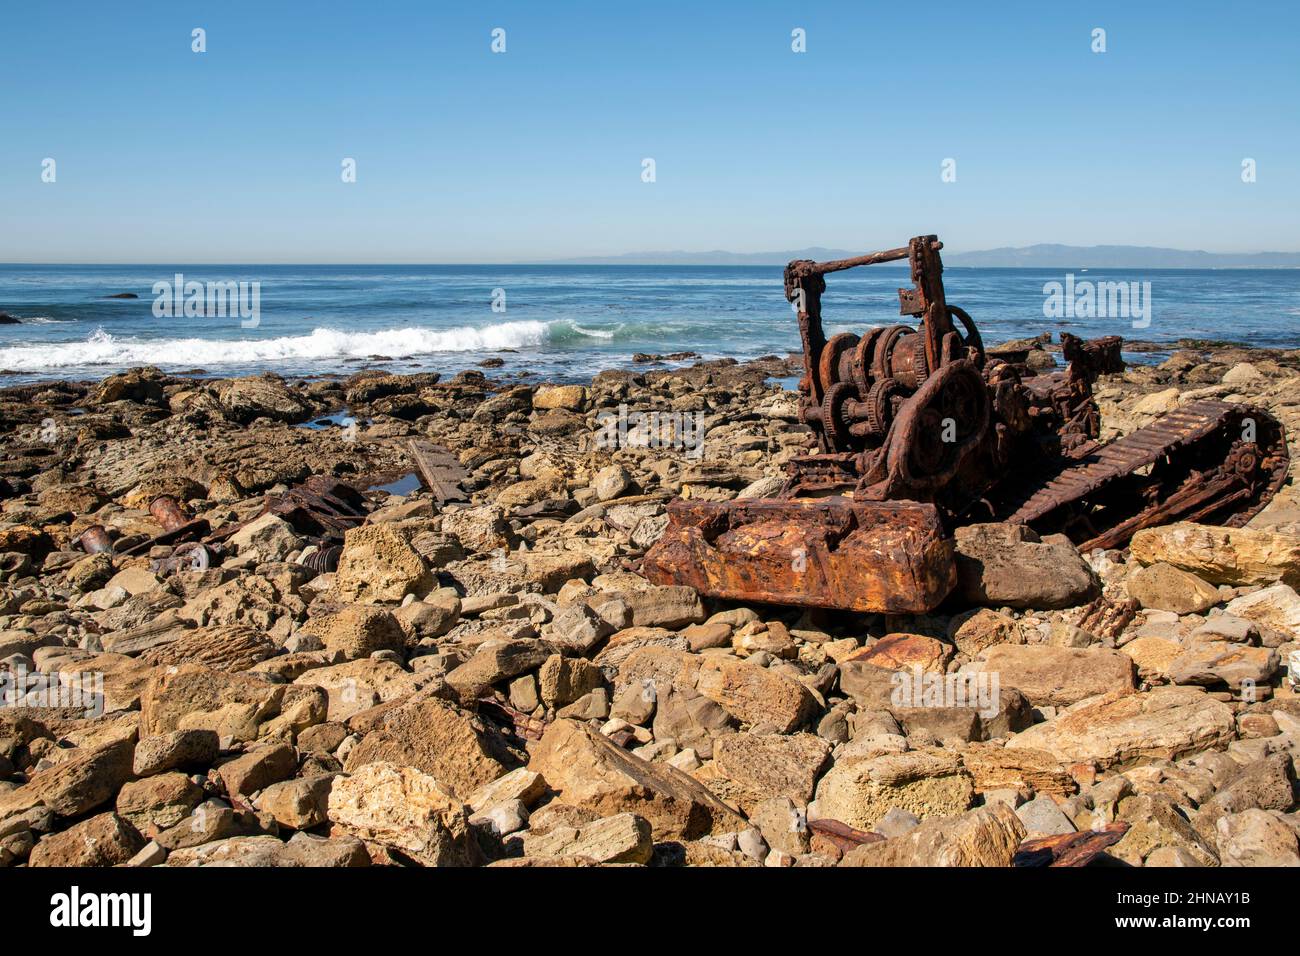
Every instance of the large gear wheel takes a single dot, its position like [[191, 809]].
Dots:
[[833, 419], [880, 406]]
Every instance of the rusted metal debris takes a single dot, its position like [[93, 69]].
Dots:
[[1106, 617], [1069, 849], [321, 509], [921, 430], [440, 470], [833, 839], [514, 723]]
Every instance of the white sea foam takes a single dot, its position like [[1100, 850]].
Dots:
[[103, 348]]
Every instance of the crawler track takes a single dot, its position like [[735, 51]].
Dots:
[[1207, 460]]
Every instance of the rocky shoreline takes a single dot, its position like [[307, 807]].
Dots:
[[489, 681]]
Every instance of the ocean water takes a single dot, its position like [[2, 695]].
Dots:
[[562, 322]]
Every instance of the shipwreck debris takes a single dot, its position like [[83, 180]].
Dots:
[[921, 430]]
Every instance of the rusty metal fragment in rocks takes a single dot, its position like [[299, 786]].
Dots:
[[440, 470], [833, 838], [1069, 849]]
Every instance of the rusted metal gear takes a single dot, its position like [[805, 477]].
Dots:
[[834, 422], [880, 405]]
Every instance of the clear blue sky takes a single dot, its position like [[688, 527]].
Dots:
[[164, 155]]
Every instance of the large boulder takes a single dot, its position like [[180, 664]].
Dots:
[[985, 836], [1163, 587], [1234, 556], [750, 769], [260, 396], [379, 563], [927, 783], [405, 811], [457, 749], [1009, 565], [588, 770], [1118, 729], [1059, 676], [237, 707]]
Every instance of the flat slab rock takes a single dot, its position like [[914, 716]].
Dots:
[[1117, 729]]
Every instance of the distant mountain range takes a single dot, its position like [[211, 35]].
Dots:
[[1041, 256]]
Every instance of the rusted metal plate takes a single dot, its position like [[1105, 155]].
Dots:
[[441, 472], [890, 557]]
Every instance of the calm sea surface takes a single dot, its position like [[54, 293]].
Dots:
[[558, 321]]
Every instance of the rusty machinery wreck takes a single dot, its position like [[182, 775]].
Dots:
[[919, 431]]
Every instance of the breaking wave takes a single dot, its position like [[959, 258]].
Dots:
[[104, 348]]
